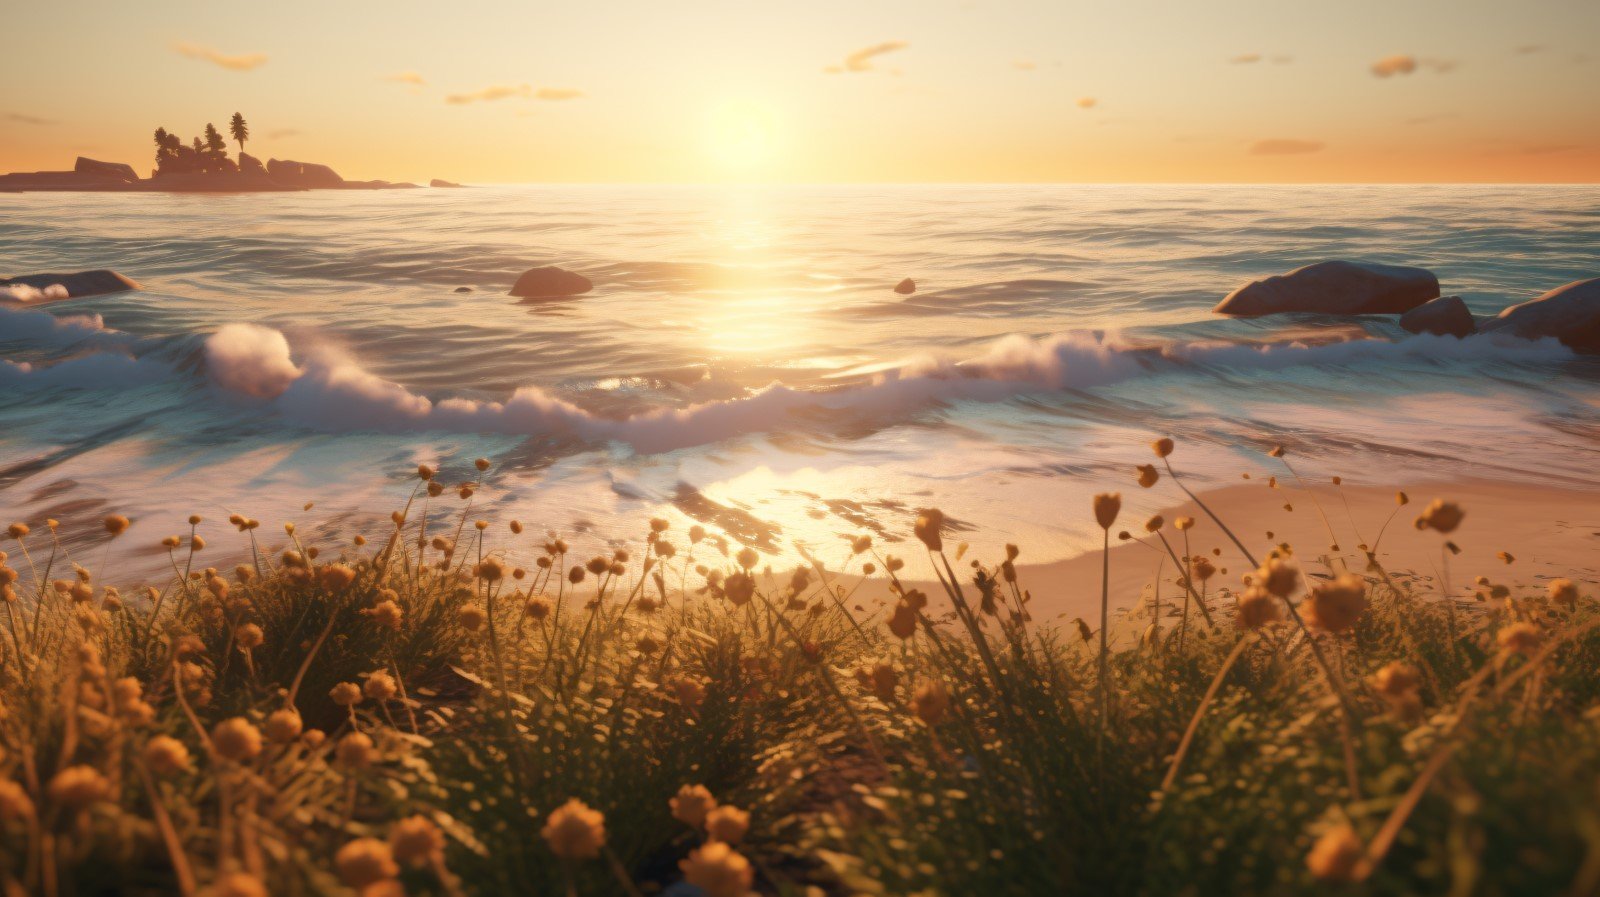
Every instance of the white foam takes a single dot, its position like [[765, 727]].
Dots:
[[43, 328], [333, 392], [96, 371], [21, 292]]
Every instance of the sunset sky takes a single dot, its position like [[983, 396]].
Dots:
[[824, 91]]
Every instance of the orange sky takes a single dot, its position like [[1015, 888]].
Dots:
[[825, 91]]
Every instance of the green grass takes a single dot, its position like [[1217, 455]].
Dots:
[[978, 761]]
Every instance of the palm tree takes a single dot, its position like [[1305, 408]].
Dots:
[[240, 130]]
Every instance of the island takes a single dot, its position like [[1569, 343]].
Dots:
[[199, 166]]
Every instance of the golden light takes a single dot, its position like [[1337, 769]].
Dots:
[[742, 136]]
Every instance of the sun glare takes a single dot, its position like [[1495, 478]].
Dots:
[[742, 137]]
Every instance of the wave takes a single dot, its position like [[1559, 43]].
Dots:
[[42, 328], [94, 371], [330, 391]]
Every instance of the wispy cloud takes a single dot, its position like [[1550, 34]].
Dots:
[[1389, 66], [1087, 102], [284, 133], [412, 78], [23, 118], [512, 91], [1285, 146], [1025, 65], [862, 59], [1441, 66], [1246, 59], [243, 62]]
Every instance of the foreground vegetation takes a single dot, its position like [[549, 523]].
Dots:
[[453, 708]]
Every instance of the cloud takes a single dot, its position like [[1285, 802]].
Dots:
[[411, 78], [861, 60], [241, 63], [512, 91], [1246, 59], [1026, 65], [24, 119], [1440, 65], [283, 133], [1394, 65], [1087, 102], [1284, 146]]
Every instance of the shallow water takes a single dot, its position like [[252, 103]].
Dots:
[[744, 362]]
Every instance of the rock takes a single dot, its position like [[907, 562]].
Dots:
[[117, 170], [437, 182], [303, 174], [63, 180], [249, 164], [219, 182], [906, 287], [1335, 288], [1570, 314], [83, 283], [463, 289], [550, 282], [1445, 316]]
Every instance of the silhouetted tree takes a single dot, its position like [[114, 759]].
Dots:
[[239, 130], [216, 148]]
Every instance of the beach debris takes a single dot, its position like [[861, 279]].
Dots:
[[1570, 313], [1336, 288], [550, 282], [1445, 316]]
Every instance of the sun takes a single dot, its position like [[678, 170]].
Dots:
[[742, 138]]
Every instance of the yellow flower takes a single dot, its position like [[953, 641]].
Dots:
[[355, 750], [1107, 505], [1396, 680], [365, 862], [930, 701], [929, 528], [380, 686], [575, 831], [236, 739], [416, 841], [283, 726], [14, 801], [727, 824], [1338, 855], [1520, 638], [1257, 608], [692, 804], [116, 525], [76, 787], [345, 694], [1442, 516], [1564, 591], [718, 870], [1162, 447], [236, 884], [336, 577], [1148, 476], [471, 617], [166, 756], [1278, 576], [1336, 606]]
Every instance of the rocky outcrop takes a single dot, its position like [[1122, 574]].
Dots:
[[61, 180], [438, 182], [906, 287], [82, 283], [117, 170], [249, 164], [1335, 288], [550, 282], [1570, 314], [220, 182], [303, 174], [1445, 316]]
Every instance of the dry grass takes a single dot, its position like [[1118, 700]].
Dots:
[[459, 709]]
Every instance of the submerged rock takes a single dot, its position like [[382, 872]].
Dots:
[[550, 282], [118, 170], [906, 287], [1570, 314], [1335, 288], [1445, 316], [82, 283]]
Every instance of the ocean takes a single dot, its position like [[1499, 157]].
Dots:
[[743, 362]]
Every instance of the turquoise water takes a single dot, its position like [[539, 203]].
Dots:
[[744, 362]]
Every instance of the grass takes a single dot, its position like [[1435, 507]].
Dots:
[[455, 708]]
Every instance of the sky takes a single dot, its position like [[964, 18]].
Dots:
[[825, 91]]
